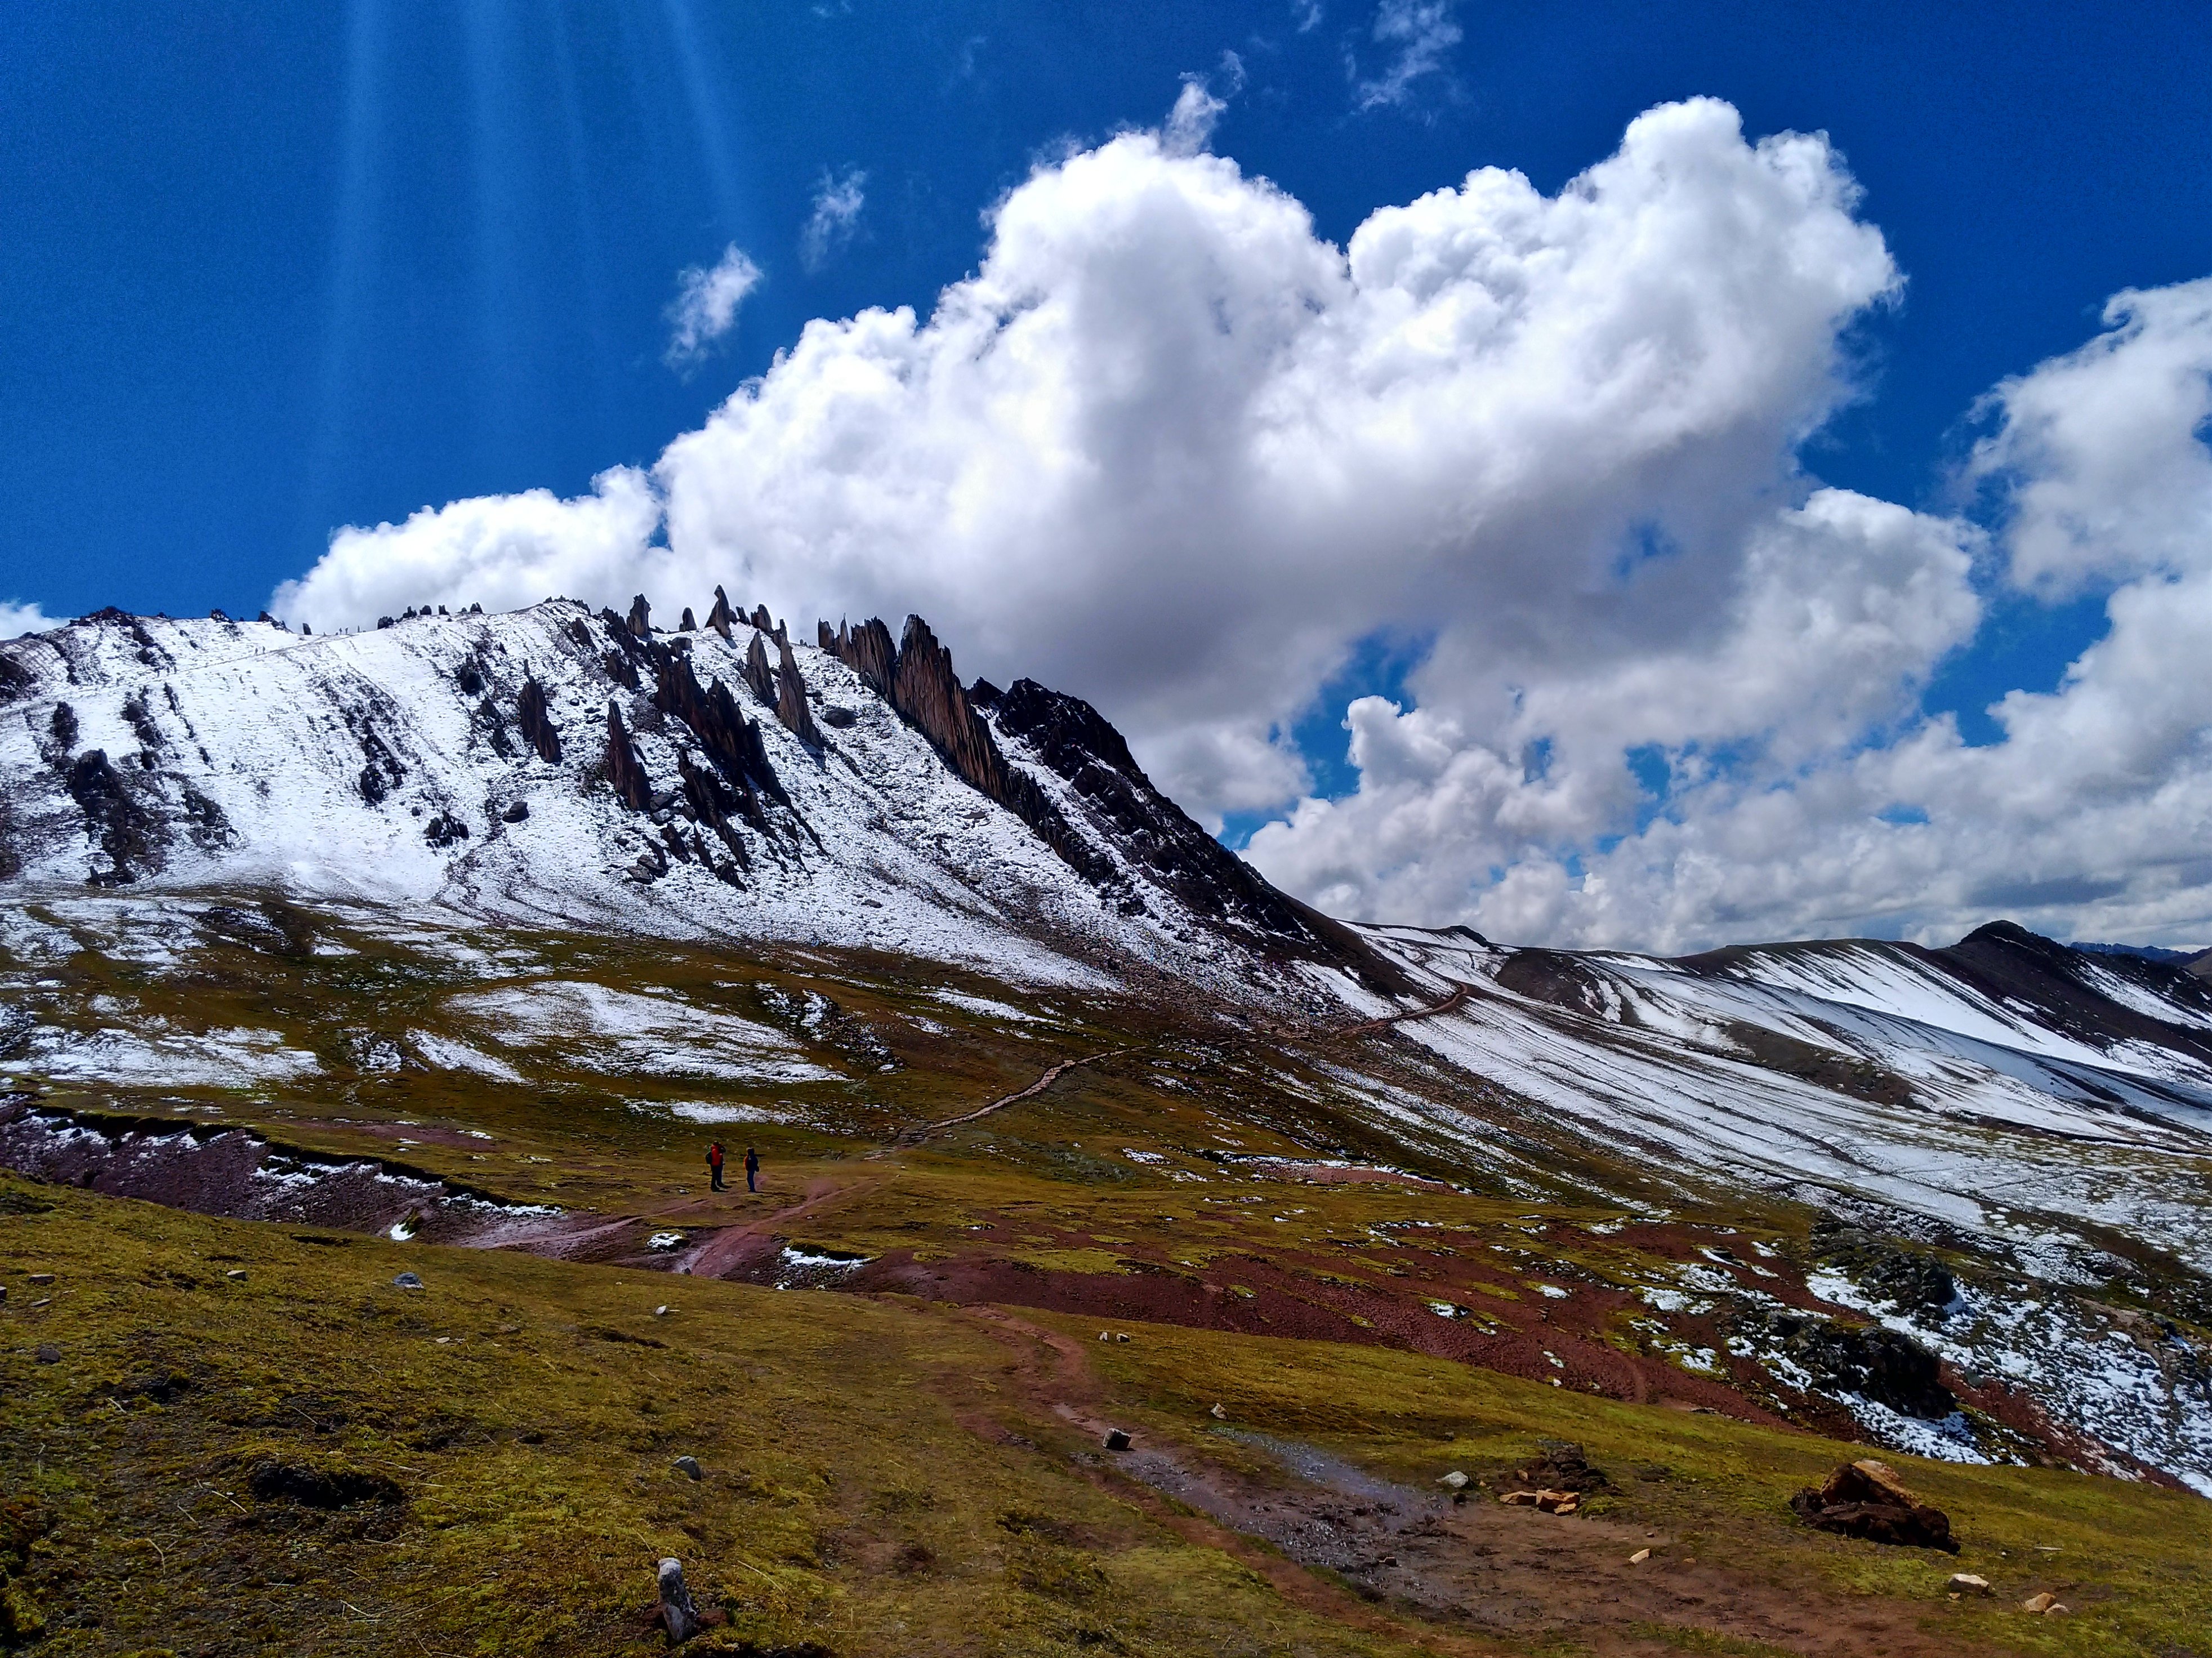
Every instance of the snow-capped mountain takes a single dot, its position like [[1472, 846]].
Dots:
[[2037, 1117], [556, 766]]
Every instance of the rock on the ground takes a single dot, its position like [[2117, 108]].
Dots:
[[689, 1466], [1968, 1582], [407, 1281], [679, 1613], [1866, 1499], [1116, 1439]]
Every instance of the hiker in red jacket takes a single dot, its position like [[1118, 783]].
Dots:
[[715, 1164]]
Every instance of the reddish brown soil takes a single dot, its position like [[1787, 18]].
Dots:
[[1284, 1302]]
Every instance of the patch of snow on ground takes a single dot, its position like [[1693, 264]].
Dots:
[[617, 1031]]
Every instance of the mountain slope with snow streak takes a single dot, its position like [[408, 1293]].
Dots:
[[552, 765], [2026, 1124]]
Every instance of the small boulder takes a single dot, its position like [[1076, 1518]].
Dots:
[[689, 1467], [407, 1281], [1116, 1439], [1454, 1481], [236, 1275], [679, 1613], [1968, 1582], [515, 812], [49, 1354], [1219, 1414], [41, 1278], [2039, 1604], [1639, 1557], [1866, 1499]]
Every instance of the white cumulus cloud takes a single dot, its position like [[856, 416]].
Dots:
[[18, 618], [705, 308], [1169, 449]]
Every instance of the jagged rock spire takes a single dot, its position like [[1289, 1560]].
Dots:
[[687, 625], [756, 671], [536, 719], [916, 678], [625, 770], [791, 696], [641, 617], [721, 616]]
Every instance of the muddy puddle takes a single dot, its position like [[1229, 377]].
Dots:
[[218, 1170]]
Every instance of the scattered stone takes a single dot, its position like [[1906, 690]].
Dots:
[[1550, 1501], [236, 1274], [1968, 1582], [50, 1355], [1105, 1335], [689, 1467], [1866, 1499], [663, 1310], [1120, 1335], [1561, 1467], [1116, 1439], [407, 1281], [515, 812], [1454, 1480], [1219, 1414], [679, 1613], [41, 1278], [1639, 1557], [2039, 1603]]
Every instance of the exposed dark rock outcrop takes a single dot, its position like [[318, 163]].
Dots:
[[721, 616], [1877, 1363], [130, 836], [382, 771], [1916, 1282], [759, 677], [918, 680], [535, 718], [731, 741], [790, 708], [625, 771], [641, 617], [1074, 741], [867, 650]]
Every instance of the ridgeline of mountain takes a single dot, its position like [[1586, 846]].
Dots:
[[556, 762]]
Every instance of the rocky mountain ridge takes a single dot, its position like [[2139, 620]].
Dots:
[[556, 762]]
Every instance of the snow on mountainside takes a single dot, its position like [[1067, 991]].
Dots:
[[2038, 1116], [554, 766]]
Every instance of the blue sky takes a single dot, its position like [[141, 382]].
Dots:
[[266, 270]]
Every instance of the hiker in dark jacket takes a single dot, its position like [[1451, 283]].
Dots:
[[752, 1169], [715, 1164]]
